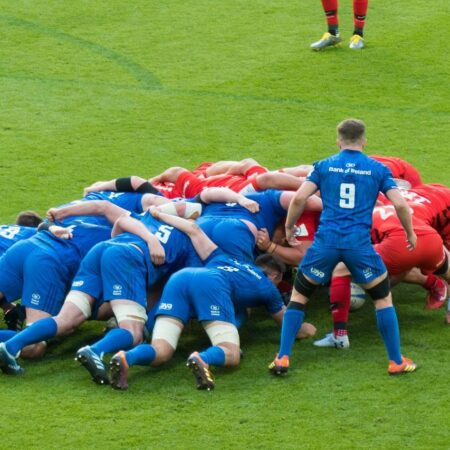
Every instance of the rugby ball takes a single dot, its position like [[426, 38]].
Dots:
[[358, 297]]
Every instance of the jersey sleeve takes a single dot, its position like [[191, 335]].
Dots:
[[387, 182], [313, 176]]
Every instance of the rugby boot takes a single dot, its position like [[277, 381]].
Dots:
[[93, 364], [203, 376]]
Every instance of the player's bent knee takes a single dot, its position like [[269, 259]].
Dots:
[[380, 290], [34, 351], [222, 332], [81, 301], [129, 311], [303, 286], [168, 330]]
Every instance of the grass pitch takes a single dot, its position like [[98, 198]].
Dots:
[[95, 90]]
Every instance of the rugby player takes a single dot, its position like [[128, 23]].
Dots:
[[349, 183]]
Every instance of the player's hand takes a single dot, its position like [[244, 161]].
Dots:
[[263, 239], [411, 241], [61, 232], [52, 214], [93, 187], [157, 253], [251, 205], [290, 237]]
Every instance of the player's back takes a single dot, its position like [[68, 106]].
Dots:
[[250, 287], [10, 234], [178, 248], [349, 184]]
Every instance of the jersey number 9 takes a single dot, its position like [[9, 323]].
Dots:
[[347, 194]]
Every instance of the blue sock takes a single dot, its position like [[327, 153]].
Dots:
[[42, 330], [115, 340], [142, 355], [388, 325], [6, 335], [214, 356], [292, 321]]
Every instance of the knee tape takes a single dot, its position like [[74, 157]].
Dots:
[[381, 290], [304, 286], [221, 332], [167, 330], [81, 301], [128, 311], [182, 209]]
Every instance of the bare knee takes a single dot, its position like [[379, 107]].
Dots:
[[34, 351], [164, 352], [232, 354]]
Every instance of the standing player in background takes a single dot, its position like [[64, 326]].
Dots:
[[332, 38], [349, 183]]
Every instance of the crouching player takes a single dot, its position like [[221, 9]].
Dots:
[[209, 294]]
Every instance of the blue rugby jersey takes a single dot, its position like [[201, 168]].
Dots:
[[10, 234], [349, 183]]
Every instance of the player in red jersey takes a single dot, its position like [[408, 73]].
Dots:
[[400, 169], [255, 178], [331, 37]]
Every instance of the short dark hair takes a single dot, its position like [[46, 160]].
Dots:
[[28, 219], [351, 130], [270, 262]]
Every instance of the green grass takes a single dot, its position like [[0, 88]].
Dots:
[[95, 90]]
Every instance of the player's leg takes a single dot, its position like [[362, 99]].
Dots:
[[277, 180], [225, 351], [359, 19], [172, 312], [368, 269], [123, 276], [315, 269], [340, 295], [331, 37], [170, 175]]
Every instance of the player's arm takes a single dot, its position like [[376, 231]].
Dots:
[[404, 214], [201, 242], [88, 208], [296, 208], [225, 195], [314, 203], [307, 329], [127, 224]]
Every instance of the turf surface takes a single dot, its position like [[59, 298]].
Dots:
[[95, 90]]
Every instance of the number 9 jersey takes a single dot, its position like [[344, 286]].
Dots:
[[349, 183]]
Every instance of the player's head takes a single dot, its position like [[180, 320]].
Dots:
[[28, 219], [351, 133], [272, 267]]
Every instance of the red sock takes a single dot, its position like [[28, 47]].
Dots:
[[340, 294], [330, 7], [431, 279], [359, 15]]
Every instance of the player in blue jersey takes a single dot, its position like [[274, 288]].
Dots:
[[39, 271], [120, 270], [25, 227], [349, 183], [211, 294]]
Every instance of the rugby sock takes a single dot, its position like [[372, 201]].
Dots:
[[431, 279], [359, 15], [115, 340], [340, 293], [388, 326], [330, 7], [142, 355], [292, 321], [213, 356], [42, 330], [6, 335]]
